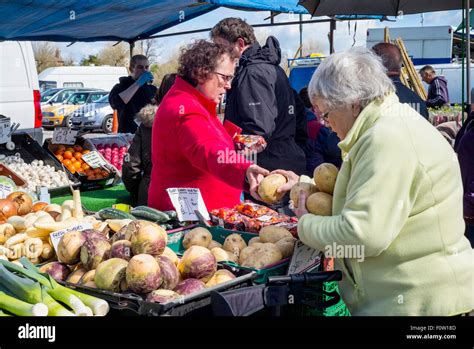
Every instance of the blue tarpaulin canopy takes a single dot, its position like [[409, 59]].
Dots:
[[105, 20]]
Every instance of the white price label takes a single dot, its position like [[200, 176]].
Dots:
[[186, 201], [64, 135], [94, 159], [4, 130], [5, 190], [56, 235], [304, 259]]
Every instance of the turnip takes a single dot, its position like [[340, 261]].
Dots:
[[197, 262], [143, 274]]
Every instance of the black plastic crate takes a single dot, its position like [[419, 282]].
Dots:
[[195, 304], [30, 150]]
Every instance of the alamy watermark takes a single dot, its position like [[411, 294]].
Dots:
[[345, 251], [230, 156], [37, 332]]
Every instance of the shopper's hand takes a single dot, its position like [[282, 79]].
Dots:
[[291, 179], [301, 210], [255, 175], [144, 78]]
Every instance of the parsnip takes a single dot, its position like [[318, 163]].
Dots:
[[76, 196], [57, 225], [33, 247], [19, 223], [6, 231], [16, 239]]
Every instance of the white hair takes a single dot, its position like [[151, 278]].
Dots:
[[353, 76]]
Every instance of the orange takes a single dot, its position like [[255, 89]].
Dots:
[[71, 169], [85, 151], [67, 154], [77, 165], [70, 149], [77, 155], [67, 162], [60, 157], [85, 166]]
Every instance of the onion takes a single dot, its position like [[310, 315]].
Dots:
[[7, 209], [38, 206], [23, 202]]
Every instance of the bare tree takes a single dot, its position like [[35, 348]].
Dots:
[[117, 55], [46, 55], [170, 66], [149, 48]]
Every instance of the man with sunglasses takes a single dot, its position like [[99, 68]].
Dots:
[[261, 100], [132, 93]]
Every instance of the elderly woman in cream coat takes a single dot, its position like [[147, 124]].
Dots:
[[397, 198]]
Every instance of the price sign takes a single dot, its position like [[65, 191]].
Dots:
[[304, 259], [56, 235], [5, 190], [64, 135], [4, 130], [94, 159], [186, 201]]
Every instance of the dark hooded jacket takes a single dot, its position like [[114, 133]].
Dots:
[[126, 112], [136, 169], [438, 93], [262, 102]]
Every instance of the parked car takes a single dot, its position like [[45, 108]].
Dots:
[[56, 115], [61, 95], [94, 116], [46, 95]]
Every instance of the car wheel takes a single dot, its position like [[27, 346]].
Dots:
[[107, 124], [67, 122]]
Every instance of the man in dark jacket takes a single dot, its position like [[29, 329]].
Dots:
[[438, 91], [261, 100], [392, 60], [132, 93]]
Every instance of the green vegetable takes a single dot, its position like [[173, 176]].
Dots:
[[30, 291], [150, 214], [113, 213], [18, 307], [53, 289], [4, 314], [171, 214]]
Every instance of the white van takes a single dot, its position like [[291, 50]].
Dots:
[[100, 77], [19, 88]]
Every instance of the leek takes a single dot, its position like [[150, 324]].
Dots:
[[98, 306], [31, 292], [18, 307], [4, 314]]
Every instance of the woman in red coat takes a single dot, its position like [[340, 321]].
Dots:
[[190, 147]]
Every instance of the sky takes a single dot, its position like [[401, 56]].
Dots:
[[287, 35]]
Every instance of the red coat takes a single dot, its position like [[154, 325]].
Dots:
[[190, 149]]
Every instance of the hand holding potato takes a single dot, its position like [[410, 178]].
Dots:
[[255, 175], [292, 179]]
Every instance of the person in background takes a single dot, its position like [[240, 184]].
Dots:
[[137, 164], [132, 93], [392, 60], [464, 147], [321, 145], [261, 100], [438, 94], [190, 146], [301, 133], [397, 199]]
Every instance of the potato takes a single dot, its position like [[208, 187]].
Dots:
[[223, 255], [286, 246], [320, 204], [234, 244], [325, 177], [213, 244], [260, 255], [254, 240], [267, 188], [299, 188], [273, 234], [197, 237]]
